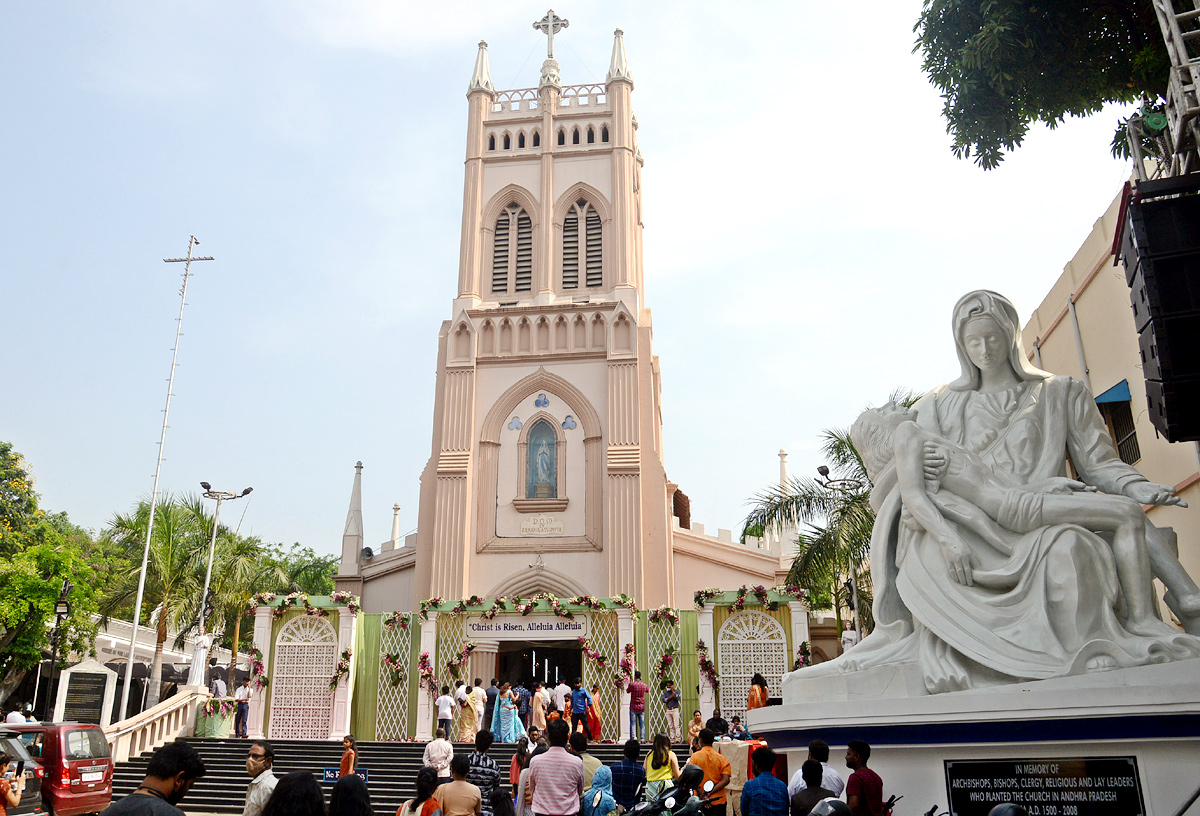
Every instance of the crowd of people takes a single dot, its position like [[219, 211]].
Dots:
[[552, 773]]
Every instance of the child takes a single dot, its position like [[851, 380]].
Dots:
[[888, 439], [349, 756]]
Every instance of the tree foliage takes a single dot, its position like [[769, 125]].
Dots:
[[1002, 65], [37, 552]]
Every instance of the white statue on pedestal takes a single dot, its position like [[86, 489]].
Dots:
[[986, 566]]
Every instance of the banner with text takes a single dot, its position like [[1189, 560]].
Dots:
[[536, 626]]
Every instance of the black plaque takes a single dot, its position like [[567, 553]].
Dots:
[[1096, 786], [85, 697]]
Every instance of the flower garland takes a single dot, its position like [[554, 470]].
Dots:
[[586, 600], [663, 667], [352, 602], [342, 670], [664, 613], [803, 656], [428, 604], [425, 671], [218, 707], [258, 599], [591, 654], [499, 605], [394, 620], [707, 668], [461, 606], [760, 594], [621, 680], [396, 669], [258, 671], [796, 591], [455, 666], [625, 602], [704, 595]]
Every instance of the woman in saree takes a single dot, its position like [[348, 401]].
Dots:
[[595, 723], [537, 707], [1025, 599], [468, 718], [506, 723]]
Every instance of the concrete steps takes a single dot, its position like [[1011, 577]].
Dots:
[[392, 768]]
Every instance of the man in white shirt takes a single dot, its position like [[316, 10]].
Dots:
[[263, 781], [242, 698], [15, 716], [830, 780], [438, 753], [561, 692], [445, 709]]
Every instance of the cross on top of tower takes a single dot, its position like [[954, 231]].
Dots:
[[550, 25]]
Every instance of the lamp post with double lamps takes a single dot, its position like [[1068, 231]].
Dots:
[[845, 487], [200, 652], [62, 611]]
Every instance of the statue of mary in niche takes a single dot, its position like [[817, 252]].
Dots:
[[543, 465], [1042, 601]]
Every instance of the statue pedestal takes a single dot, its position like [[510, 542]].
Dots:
[[1148, 713]]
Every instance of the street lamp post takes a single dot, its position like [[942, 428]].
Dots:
[[200, 652], [62, 611], [844, 486]]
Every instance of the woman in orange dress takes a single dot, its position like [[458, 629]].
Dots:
[[593, 714], [758, 692]]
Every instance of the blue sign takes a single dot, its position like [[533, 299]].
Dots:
[[332, 774]]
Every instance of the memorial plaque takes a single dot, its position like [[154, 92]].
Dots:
[[85, 697], [1096, 786]]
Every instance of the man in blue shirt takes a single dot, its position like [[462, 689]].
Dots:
[[581, 698], [523, 698], [628, 776], [765, 795]]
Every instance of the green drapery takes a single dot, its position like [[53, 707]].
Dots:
[[366, 675], [689, 671]]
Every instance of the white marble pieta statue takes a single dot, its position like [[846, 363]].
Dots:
[[990, 566]]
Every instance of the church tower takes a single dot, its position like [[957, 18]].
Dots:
[[546, 470]]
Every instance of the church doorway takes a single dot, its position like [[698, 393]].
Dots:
[[545, 660]]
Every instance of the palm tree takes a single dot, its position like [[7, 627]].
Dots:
[[174, 572], [242, 567], [835, 520]]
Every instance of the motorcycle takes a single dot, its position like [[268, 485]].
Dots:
[[676, 800]]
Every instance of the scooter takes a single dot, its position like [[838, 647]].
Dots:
[[675, 800]]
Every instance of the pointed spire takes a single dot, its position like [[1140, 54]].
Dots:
[[396, 525], [618, 68], [354, 518], [481, 80]]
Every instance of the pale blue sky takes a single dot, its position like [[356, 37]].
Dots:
[[807, 232]]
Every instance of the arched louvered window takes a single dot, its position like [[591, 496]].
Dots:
[[507, 142], [511, 252], [492, 142], [591, 137], [562, 136], [537, 139], [575, 136], [520, 140], [582, 249], [604, 133]]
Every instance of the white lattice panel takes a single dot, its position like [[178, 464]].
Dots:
[[659, 637], [749, 642], [391, 708], [305, 659], [450, 639], [603, 639]]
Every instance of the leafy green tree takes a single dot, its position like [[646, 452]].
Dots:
[[306, 571], [37, 552], [1002, 65], [243, 566]]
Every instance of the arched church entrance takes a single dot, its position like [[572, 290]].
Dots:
[[547, 660], [305, 658], [749, 642]]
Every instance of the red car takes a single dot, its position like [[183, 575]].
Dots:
[[78, 767]]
